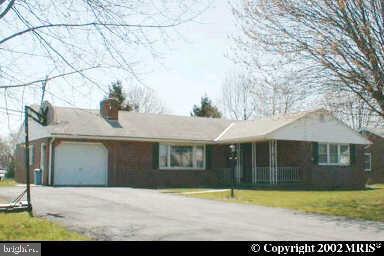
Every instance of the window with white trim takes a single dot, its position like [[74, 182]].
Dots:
[[367, 162], [173, 156], [334, 154]]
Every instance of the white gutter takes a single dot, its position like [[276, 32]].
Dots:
[[243, 140], [50, 161], [224, 132], [117, 138]]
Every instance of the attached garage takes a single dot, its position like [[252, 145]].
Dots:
[[80, 164]]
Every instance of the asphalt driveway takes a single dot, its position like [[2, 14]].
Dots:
[[141, 214]]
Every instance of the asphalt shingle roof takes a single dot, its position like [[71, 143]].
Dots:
[[69, 121], [85, 122], [260, 127], [377, 131]]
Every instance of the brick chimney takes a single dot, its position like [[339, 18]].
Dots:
[[109, 109]]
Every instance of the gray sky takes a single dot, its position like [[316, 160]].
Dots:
[[189, 67]]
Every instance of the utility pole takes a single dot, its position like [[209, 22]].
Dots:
[[41, 118], [27, 169], [43, 85]]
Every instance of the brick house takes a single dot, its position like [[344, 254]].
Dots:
[[374, 155], [107, 147]]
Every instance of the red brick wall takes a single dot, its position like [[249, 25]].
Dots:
[[377, 151], [352, 176], [20, 173], [131, 164], [109, 109]]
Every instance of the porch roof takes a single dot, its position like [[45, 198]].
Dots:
[[258, 130], [378, 132], [313, 126]]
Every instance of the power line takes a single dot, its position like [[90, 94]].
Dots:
[[11, 110], [7, 113], [45, 79], [69, 103]]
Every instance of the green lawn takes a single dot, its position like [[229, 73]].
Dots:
[[20, 226], [359, 204], [7, 183]]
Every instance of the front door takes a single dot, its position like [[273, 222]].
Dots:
[[246, 162]]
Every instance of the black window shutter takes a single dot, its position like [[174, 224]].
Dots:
[[208, 157], [352, 153], [315, 152], [155, 157]]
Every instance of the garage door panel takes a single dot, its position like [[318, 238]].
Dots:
[[80, 164]]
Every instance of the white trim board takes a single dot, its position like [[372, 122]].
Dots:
[[224, 132]]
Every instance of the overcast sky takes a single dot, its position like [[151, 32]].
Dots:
[[191, 66]]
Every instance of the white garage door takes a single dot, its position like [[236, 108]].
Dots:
[[80, 164]]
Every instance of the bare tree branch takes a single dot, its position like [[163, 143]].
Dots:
[[338, 44], [90, 24], [7, 9], [67, 41]]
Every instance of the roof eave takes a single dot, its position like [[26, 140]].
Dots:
[[242, 140], [124, 138]]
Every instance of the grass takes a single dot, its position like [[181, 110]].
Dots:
[[358, 204], [7, 183], [20, 226]]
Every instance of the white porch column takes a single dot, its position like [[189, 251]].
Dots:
[[238, 164], [254, 166], [273, 162]]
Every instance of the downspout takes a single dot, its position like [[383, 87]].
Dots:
[[50, 162]]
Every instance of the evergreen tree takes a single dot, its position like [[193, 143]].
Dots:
[[116, 92], [206, 109]]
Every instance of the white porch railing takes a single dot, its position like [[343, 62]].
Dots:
[[282, 175]]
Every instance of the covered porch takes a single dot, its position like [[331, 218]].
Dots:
[[271, 162]]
